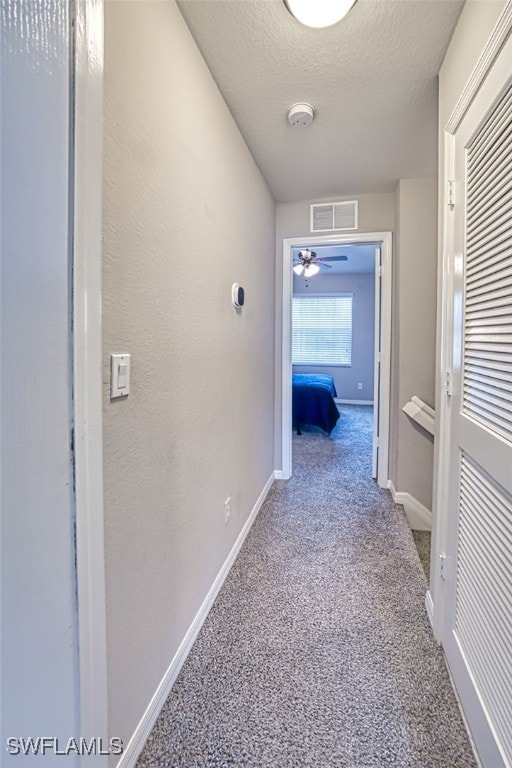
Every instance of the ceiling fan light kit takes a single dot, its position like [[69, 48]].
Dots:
[[313, 269], [309, 263], [319, 13]]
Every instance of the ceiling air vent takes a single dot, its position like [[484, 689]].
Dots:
[[328, 217]]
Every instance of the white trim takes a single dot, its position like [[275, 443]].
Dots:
[[421, 413], [143, 729], [487, 58], [376, 359], [386, 239], [278, 475], [87, 385], [286, 363], [429, 605], [353, 402], [442, 422], [418, 516], [391, 489]]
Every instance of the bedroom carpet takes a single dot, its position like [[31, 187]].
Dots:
[[318, 652]]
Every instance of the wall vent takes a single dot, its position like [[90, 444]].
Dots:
[[331, 217]]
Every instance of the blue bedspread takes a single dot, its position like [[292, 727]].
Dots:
[[313, 401]]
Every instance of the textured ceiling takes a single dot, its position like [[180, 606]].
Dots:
[[372, 79]]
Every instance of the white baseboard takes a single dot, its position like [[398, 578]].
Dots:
[[279, 475], [418, 516], [429, 605], [352, 402], [143, 729]]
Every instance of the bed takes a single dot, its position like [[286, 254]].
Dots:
[[313, 401]]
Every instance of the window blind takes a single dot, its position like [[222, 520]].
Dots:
[[322, 330]]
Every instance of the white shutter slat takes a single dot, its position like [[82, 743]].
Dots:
[[501, 182], [492, 156], [491, 420], [491, 404], [480, 291], [501, 187], [490, 385], [477, 350], [501, 252], [483, 225], [487, 235], [488, 275], [500, 277], [500, 241], [466, 618], [484, 583], [491, 184], [489, 298], [499, 117], [495, 312], [490, 137], [489, 369]]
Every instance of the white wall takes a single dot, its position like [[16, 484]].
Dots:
[[415, 319], [39, 631], [376, 214], [186, 214], [346, 378]]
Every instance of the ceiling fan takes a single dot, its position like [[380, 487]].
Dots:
[[308, 262]]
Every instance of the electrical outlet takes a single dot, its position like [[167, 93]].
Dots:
[[227, 510], [360, 385]]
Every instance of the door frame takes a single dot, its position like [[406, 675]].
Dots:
[[86, 223], [385, 239]]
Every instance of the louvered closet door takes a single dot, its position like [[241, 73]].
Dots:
[[478, 629]]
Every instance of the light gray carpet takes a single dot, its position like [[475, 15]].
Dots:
[[318, 652], [422, 540]]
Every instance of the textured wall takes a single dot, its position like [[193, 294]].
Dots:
[[363, 331], [39, 632], [415, 301], [376, 214], [186, 214]]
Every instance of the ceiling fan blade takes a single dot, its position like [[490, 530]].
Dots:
[[333, 258], [323, 266]]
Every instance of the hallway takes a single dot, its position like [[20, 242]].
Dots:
[[318, 652]]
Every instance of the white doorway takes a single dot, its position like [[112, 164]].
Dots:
[[382, 355]]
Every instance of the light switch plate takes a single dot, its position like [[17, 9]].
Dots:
[[119, 376]]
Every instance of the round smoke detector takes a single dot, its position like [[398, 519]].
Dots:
[[301, 115]]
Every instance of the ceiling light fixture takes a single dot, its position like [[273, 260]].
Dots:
[[298, 269], [311, 270], [319, 13]]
